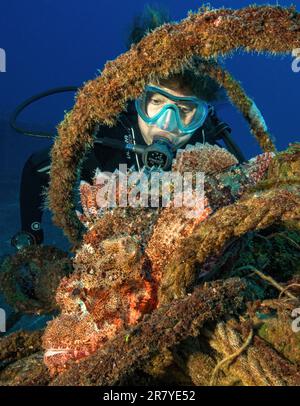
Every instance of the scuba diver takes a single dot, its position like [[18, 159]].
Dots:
[[170, 114]]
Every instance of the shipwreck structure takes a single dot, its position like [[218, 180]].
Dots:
[[156, 295]]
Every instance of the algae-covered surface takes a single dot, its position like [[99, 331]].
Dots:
[[213, 305], [149, 296]]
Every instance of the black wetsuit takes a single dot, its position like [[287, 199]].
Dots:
[[35, 173]]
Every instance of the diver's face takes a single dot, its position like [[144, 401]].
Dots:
[[149, 131]]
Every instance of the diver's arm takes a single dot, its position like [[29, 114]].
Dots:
[[232, 146], [89, 165], [221, 131], [35, 176]]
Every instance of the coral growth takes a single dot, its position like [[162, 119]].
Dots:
[[135, 309], [21, 360], [258, 365], [125, 252], [19, 345], [29, 278], [254, 210], [207, 34], [28, 371], [134, 260], [161, 330]]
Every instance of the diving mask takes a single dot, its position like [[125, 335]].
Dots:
[[173, 114]]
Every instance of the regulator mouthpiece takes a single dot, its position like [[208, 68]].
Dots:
[[159, 154]]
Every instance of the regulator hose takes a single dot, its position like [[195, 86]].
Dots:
[[33, 99]]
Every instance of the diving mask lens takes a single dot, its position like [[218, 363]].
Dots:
[[169, 112]]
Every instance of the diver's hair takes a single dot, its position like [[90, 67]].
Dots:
[[152, 16], [201, 86]]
